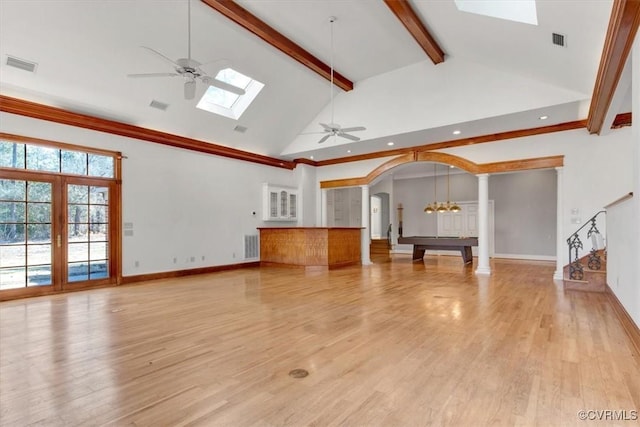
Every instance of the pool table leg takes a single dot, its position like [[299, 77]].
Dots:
[[467, 256], [418, 253]]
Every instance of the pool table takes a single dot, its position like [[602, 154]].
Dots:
[[422, 243]]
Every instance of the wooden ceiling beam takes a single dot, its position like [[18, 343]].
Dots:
[[409, 18], [58, 115], [621, 120], [623, 26], [247, 20]]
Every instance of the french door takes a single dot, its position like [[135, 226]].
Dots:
[[56, 233]]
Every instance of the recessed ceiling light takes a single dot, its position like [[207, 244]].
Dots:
[[311, 157], [348, 151], [390, 143], [456, 132], [451, 166], [543, 117]]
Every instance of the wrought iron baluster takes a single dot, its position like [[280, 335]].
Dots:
[[576, 270], [575, 267], [594, 258]]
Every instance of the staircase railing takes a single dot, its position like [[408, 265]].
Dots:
[[576, 270]]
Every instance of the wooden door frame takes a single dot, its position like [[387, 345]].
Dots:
[[58, 180], [115, 268], [56, 279]]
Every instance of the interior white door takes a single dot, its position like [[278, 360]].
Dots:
[[376, 217], [465, 223]]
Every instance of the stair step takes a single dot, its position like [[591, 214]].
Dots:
[[583, 285], [379, 247]]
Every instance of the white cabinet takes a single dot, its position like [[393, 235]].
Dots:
[[279, 203]]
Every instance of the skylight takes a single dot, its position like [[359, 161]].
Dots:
[[518, 11], [228, 104]]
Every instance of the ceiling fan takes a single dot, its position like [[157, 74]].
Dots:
[[334, 129], [189, 69]]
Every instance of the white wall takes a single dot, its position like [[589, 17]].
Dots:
[[622, 262], [624, 281], [633, 304], [524, 208], [182, 203], [597, 169]]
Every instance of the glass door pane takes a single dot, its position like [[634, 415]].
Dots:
[[87, 232], [25, 233]]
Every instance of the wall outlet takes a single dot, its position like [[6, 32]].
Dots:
[[192, 259], [175, 260], [233, 255], [137, 264], [202, 257]]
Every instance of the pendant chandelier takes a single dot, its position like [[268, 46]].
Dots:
[[450, 207], [431, 209], [441, 208]]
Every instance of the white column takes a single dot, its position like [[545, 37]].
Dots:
[[483, 225], [323, 207], [365, 238], [561, 246]]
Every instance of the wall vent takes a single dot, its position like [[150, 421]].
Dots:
[[241, 129], [22, 64], [251, 246], [558, 39], [159, 105]]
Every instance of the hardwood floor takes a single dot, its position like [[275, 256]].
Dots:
[[392, 344]]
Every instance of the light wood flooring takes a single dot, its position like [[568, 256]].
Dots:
[[392, 344]]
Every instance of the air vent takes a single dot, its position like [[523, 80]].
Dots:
[[558, 39], [29, 66], [251, 246], [240, 129], [159, 105]]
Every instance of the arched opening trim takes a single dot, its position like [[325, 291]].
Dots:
[[459, 162]]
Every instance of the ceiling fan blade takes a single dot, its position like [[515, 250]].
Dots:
[[324, 138], [222, 85], [351, 137], [326, 127], [169, 60], [153, 75], [353, 129]]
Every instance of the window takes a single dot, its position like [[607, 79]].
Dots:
[[52, 159], [228, 104], [519, 11], [59, 217]]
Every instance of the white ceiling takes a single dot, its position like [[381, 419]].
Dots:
[[85, 49]]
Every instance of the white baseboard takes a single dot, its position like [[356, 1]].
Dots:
[[400, 251], [506, 256], [527, 257]]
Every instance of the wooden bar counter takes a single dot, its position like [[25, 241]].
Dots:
[[310, 247]]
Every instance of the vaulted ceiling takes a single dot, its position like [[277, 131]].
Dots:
[[496, 75]]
